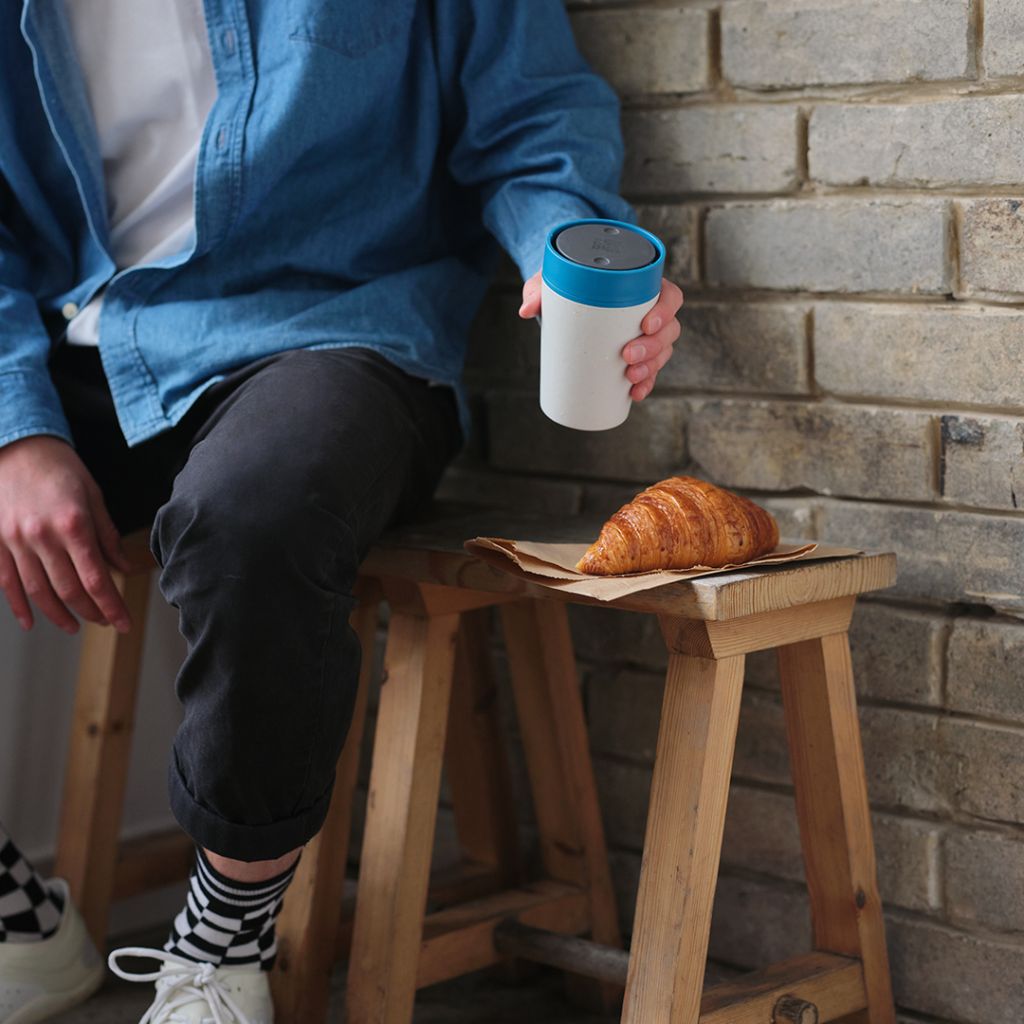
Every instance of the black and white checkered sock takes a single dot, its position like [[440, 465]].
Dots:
[[228, 923], [29, 912]]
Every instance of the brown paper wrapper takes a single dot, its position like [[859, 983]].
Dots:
[[552, 565]]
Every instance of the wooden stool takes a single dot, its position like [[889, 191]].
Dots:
[[100, 868], [709, 625]]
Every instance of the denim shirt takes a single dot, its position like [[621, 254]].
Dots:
[[361, 164]]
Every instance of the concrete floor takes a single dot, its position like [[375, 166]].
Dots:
[[479, 998], [470, 1000]]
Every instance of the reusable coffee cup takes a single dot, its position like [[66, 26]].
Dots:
[[598, 281]]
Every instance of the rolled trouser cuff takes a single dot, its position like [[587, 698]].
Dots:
[[242, 842]]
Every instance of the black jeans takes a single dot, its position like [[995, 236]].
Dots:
[[266, 498]]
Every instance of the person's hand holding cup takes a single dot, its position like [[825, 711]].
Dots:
[[601, 284]]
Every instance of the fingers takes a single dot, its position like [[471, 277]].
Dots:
[[669, 303], [648, 349], [106, 532], [40, 592], [94, 574], [66, 584], [10, 584], [647, 354], [531, 298]]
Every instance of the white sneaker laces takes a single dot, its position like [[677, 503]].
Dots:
[[178, 983]]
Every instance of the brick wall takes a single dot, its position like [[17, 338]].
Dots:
[[840, 183]]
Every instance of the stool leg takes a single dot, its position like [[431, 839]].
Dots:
[[557, 750], [405, 779], [683, 840], [307, 928], [475, 758], [98, 754], [832, 806]]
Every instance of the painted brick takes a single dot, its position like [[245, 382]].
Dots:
[[647, 51], [987, 768], [943, 555], [791, 43], [956, 976], [983, 461], [477, 486], [740, 347], [1004, 37], [761, 834], [623, 709], [756, 923], [676, 226], [607, 637], [905, 768], [905, 764], [897, 653], [991, 243], [964, 141], [761, 753], [926, 353], [859, 451], [985, 879], [831, 245], [985, 672], [648, 446], [795, 516], [710, 149], [907, 853], [623, 791]]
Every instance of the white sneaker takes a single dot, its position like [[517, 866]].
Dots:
[[191, 993], [41, 979]]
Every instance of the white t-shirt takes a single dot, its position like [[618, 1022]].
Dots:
[[149, 76]]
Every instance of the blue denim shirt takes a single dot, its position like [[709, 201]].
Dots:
[[360, 165]]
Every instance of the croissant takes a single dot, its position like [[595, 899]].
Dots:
[[679, 523]]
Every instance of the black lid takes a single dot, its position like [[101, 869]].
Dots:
[[605, 246]]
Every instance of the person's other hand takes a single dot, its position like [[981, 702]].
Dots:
[[57, 540], [645, 355]]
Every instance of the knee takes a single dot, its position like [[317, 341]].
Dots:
[[251, 523]]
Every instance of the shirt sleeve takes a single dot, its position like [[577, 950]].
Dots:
[[537, 131], [29, 403]]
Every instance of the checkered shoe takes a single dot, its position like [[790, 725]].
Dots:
[[41, 979], [27, 909]]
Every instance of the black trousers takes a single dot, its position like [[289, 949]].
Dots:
[[264, 499]]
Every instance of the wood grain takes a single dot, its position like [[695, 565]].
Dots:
[[725, 596], [461, 939], [703, 639], [98, 753], [405, 778], [682, 844], [476, 761], [556, 746], [827, 761]]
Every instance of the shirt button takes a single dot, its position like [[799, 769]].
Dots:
[[222, 138], [69, 310], [228, 41]]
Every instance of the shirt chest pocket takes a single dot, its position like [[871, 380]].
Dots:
[[353, 27]]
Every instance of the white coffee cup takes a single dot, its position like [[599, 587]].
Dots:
[[599, 279]]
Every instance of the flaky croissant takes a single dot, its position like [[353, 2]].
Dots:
[[679, 523]]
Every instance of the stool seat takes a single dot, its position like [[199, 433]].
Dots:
[[431, 550]]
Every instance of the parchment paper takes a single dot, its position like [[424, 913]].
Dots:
[[552, 565]]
